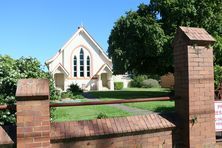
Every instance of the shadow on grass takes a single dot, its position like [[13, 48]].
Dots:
[[127, 94], [165, 109]]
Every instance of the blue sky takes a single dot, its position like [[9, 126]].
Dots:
[[39, 28]]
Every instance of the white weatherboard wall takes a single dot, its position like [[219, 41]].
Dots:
[[62, 62]]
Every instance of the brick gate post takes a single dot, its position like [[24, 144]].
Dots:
[[194, 88], [33, 120]]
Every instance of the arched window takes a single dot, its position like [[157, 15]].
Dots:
[[88, 66], [75, 66], [81, 64]]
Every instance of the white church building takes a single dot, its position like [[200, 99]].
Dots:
[[81, 61]]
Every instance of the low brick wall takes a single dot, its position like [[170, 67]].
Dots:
[[134, 131], [160, 139]]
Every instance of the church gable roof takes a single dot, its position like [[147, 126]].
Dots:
[[60, 69], [104, 68], [80, 30]]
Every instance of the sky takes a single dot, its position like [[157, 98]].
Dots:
[[39, 28]]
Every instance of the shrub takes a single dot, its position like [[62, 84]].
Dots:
[[66, 95], [118, 85], [145, 81], [102, 115], [150, 83], [71, 95], [78, 97], [74, 89], [11, 70], [138, 80], [217, 75]]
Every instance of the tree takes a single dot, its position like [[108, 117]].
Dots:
[[10, 71], [136, 43], [196, 13], [168, 16]]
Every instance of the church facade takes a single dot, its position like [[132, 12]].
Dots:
[[81, 61]]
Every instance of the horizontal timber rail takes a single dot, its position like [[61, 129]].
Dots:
[[13, 107], [111, 102], [9, 107]]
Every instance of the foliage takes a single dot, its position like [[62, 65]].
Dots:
[[140, 41], [10, 71], [66, 95], [9, 75], [196, 13], [145, 81], [136, 41], [118, 85], [217, 75], [78, 97], [70, 95], [149, 83], [54, 93], [74, 89], [7, 116], [137, 81], [102, 115], [218, 50]]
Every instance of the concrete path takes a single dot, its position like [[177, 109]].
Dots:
[[132, 110]]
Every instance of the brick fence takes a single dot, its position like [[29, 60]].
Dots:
[[134, 131], [194, 88], [194, 100], [35, 130], [33, 120]]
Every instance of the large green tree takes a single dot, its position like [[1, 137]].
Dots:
[[136, 42], [154, 25], [196, 13]]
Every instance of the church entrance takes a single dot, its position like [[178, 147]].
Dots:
[[104, 78], [59, 80]]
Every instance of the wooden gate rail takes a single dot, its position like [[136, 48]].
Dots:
[[9, 107], [13, 107], [111, 102]]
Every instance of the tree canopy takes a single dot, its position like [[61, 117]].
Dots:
[[140, 41]]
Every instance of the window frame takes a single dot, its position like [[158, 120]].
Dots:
[[75, 66], [81, 63], [88, 66]]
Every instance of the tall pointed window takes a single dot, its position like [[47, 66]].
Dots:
[[88, 66], [75, 66], [81, 64]]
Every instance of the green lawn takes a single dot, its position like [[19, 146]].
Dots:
[[91, 112], [155, 106], [131, 93], [86, 112]]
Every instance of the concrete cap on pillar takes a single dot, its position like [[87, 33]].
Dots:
[[193, 35], [32, 89]]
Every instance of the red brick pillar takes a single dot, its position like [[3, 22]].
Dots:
[[33, 120], [194, 88]]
